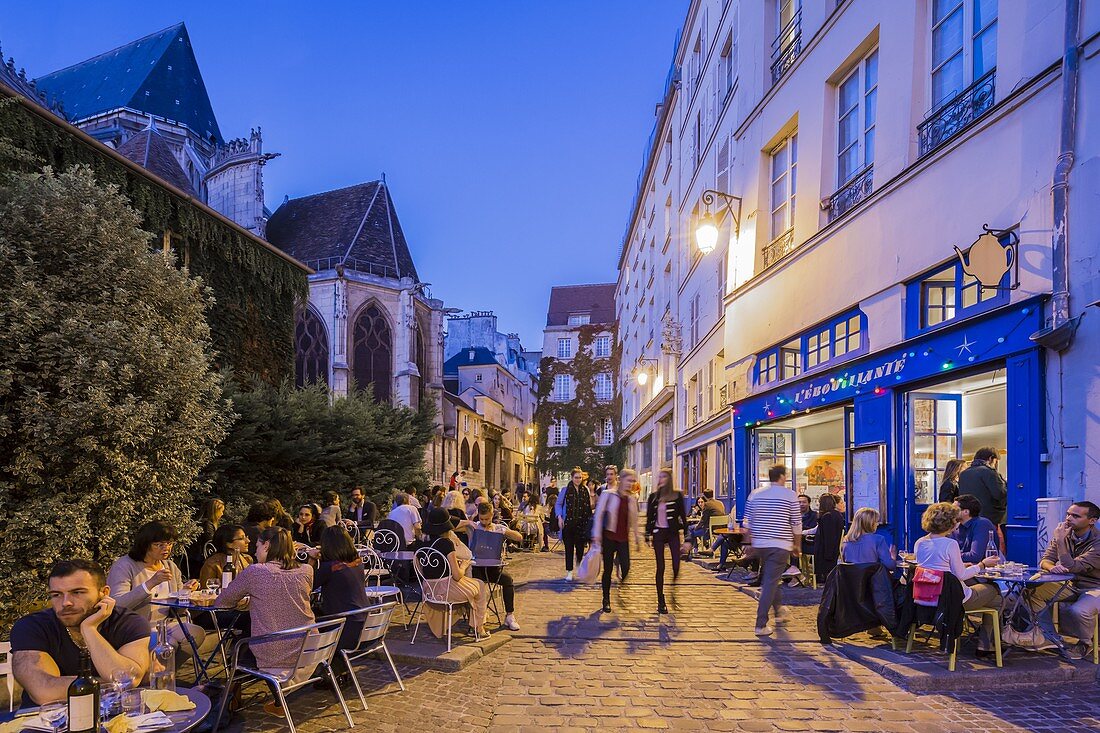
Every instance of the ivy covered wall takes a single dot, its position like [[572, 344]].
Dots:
[[254, 289], [585, 415]]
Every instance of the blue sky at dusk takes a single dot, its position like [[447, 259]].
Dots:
[[511, 133]]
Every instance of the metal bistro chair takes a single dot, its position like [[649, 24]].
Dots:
[[6, 672], [429, 557], [313, 664], [376, 622], [374, 567]]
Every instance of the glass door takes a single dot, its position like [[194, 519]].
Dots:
[[935, 437], [773, 447]]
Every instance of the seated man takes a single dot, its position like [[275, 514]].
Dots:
[[711, 508], [44, 644], [974, 530], [1074, 549], [406, 515], [809, 522], [725, 543], [496, 575]]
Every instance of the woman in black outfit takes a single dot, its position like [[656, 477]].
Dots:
[[664, 521], [209, 517], [949, 489], [340, 577], [830, 528], [307, 530]]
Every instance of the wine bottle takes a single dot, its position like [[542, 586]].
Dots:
[[83, 698], [228, 570]]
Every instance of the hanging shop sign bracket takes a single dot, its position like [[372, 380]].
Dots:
[[990, 257]]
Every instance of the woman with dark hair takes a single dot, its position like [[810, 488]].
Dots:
[[307, 529], [341, 577], [454, 581], [949, 489], [278, 587], [282, 517], [231, 544], [830, 528], [664, 521], [209, 517], [147, 572]]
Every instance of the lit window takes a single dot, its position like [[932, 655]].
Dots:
[[784, 169], [791, 359], [767, 369], [817, 349]]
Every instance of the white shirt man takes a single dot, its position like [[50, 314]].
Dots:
[[406, 515], [774, 522]]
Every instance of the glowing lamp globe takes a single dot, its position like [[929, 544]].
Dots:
[[706, 234], [643, 377]]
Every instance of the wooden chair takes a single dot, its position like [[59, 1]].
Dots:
[[1054, 615], [6, 672], [954, 652]]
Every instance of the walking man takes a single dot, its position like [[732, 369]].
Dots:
[[774, 522]]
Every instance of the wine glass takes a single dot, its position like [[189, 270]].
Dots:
[[56, 714], [212, 585]]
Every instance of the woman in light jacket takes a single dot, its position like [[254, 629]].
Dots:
[[614, 526]]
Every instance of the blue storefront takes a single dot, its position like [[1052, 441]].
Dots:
[[884, 425]]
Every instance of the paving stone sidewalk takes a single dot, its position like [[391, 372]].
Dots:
[[699, 669]]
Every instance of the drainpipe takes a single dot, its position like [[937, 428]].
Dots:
[[1060, 188]]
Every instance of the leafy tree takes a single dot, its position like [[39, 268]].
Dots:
[[109, 403], [293, 444]]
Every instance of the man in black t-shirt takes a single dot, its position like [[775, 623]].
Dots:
[[46, 645]]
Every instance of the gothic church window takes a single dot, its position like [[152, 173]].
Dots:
[[372, 352], [477, 458], [464, 455], [310, 349]]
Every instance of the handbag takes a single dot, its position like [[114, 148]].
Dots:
[[927, 586], [589, 568]]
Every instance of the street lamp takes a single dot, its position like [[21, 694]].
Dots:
[[706, 231], [530, 430], [642, 375]]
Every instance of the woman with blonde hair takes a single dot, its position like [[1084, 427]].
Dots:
[[939, 551], [949, 489], [862, 544], [614, 524]]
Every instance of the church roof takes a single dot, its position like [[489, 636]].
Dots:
[[157, 74], [598, 301], [356, 227], [151, 151]]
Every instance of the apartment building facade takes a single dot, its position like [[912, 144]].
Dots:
[[903, 285]]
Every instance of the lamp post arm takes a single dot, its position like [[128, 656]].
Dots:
[[710, 195]]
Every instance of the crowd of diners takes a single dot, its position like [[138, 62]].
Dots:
[[287, 571]]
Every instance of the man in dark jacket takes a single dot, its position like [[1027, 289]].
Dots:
[[984, 483], [809, 521], [574, 510]]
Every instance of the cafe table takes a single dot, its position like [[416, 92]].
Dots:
[[179, 610], [182, 720], [1020, 584], [727, 532]]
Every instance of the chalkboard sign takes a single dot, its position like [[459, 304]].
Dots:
[[867, 469]]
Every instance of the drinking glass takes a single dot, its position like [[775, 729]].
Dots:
[[212, 585], [109, 700], [56, 714], [131, 702]]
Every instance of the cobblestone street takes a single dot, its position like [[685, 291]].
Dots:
[[569, 669]]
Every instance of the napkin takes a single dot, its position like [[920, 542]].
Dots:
[[30, 722], [138, 723], [165, 700]]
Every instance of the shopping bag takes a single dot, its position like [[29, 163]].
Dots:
[[589, 569]]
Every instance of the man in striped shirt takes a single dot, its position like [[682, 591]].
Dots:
[[774, 522]]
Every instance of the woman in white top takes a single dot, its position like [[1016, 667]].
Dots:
[[938, 551], [614, 525], [664, 523]]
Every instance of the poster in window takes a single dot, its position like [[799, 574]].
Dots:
[[868, 478]]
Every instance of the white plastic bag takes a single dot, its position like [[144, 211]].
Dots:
[[589, 569]]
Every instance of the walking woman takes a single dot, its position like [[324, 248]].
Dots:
[[949, 489], [614, 525], [664, 521], [574, 510]]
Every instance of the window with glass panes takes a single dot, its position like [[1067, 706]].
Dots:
[[607, 432], [560, 433], [603, 386], [856, 100], [767, 369], [846, 336], [947, 293], [563, 387], [784, 167], [579, 319], [964, 45], [565, 348], [790, 356], [818, 350], [603, 346]]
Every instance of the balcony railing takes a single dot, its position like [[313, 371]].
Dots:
[[694, 414], [786, 46], [723, 397], [953, 117], [851, 193], [780, 247]]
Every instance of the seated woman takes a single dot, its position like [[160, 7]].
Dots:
[[341, 577], [454, 581], [531, 520], [697, 509], [937, 551], [209, 517], [862, 544], [231, 544], [278, 587], [146, 573], [307, 528]]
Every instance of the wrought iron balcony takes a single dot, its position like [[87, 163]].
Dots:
[[954, 116], [851, 193], [694, 414], [780, 247], [786, 46]]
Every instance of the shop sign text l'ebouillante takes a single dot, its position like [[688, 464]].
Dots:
[[852, 381]]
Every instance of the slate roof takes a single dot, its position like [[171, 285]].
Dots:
[[482, 357], [151, 151], [596, 300], [157, 74], [355, 226]]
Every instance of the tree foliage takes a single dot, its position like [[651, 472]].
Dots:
[[109, 401], [293, 444]]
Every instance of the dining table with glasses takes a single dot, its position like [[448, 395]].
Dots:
[[224, 620], [736, 532], [1020, 582], [147, 710]]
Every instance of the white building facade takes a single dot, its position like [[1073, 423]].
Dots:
[[905, 283]]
